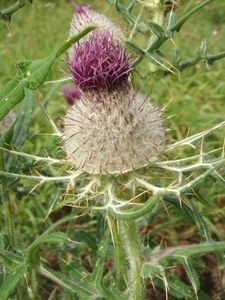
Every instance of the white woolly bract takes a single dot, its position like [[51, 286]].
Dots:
[[113, 132], [89, 17]]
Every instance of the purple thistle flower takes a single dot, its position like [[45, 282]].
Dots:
[[99, 62], [71, 93], [81, 10]]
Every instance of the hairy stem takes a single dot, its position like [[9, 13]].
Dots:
[[133, 253], [120, 266]]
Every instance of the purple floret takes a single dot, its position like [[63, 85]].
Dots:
[[81, 9], [71, 93], [99, 62]]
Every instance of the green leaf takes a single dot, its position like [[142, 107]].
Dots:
[[189, 250], [199, 220], [151, 270], [135, 48], [11, 281], [6, 13], [54, 237], [66, 282], [32, 252], [97, 274], [20, 128], [23, 122], [177, 289], [37, 71], [192, 274], [10, 96], [177, 26], [131, 20], [157, 29], [33, 75]]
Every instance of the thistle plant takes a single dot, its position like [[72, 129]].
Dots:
[[118, 168]]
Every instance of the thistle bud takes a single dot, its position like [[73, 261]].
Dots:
[[113, 132], [84, 17]]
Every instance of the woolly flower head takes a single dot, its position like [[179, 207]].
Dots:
[[99, 62], [112, 132], [84, 16]]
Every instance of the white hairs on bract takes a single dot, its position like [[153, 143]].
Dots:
[[113, 132]]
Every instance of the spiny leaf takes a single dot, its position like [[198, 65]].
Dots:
[[33, 75], [97, 274], [131, 20], [37, 71], [20, 128], [11, 281], [190, 250], [177, 26], [192, 274], [23, 122], [68, 283], [157, 29], [151, 270], [8, 253], [6, 13], [54, 237], [10, 96]]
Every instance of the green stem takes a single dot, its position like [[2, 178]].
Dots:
[[182, 20], [210, 59], [73, 40], [133, 253], [7, 13], [120, 265], [136, 212], [176, 27], [8, 214]]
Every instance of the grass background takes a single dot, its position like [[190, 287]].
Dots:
[[197, 103]]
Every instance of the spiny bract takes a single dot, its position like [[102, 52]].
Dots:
[[113, 132]]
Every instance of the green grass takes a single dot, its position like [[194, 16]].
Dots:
[[197, 103]]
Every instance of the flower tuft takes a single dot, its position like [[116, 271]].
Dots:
[[71, 93], [113, 132], [99, 62]]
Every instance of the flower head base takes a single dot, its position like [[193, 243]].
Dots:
[[71, 93], [113, 132], [99, 62]]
